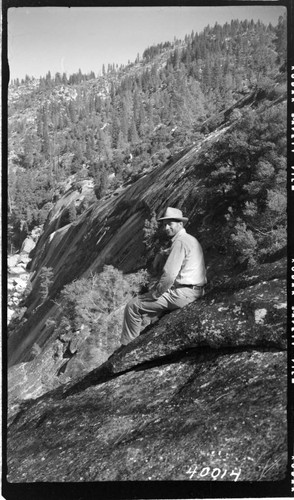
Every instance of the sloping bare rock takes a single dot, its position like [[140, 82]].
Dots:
[[82, 362], [254, 316], [48, 369], [66, 358], [30, 380], [176, 421], [264, 272]]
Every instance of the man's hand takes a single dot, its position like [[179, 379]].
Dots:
[[155, 294], [152, 284], [153, 289]]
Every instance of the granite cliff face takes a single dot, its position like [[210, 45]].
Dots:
[[109, 232]]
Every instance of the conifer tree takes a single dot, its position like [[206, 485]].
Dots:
[[46, 280], [133, 134], [100, 182], [281, 38], [45, 133], [72, 212]]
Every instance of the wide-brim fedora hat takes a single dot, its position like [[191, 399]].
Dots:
[[173, 214]]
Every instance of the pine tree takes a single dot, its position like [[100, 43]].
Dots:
[[100, 183], [72, 113], [29, 146], [281, 38], [133, 134], [46, 280], [48, 80], [45, 134], [124, 119], [58, 79], [72, 212]]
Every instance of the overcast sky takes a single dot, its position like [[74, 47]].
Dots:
[[63, 39]]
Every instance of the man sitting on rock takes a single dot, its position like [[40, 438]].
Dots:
[[182, 280]]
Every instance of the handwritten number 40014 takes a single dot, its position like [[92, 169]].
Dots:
[[214, 473]]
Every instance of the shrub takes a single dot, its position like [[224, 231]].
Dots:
[[97, 302], [46, 279], [36, 350], [72, 212], [245, 244]]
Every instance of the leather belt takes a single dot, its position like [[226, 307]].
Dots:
[[194, 287]]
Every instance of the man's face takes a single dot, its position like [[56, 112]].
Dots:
[[172, 227]]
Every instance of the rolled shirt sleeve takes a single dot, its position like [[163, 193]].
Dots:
[[171, 269]]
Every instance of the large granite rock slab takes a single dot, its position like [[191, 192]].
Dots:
[[201, 392], [254, 316], [175, 420]]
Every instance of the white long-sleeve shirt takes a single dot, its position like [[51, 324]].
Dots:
[[185, 264]]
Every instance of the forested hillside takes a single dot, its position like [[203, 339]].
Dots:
[[134, 118]]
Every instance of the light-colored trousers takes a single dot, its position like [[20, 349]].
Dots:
[[145, 307]]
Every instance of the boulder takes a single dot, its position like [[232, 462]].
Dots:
[[28, 245], [12, 260], [23, 259], [20, 282], [10, 313], [15, 270]]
